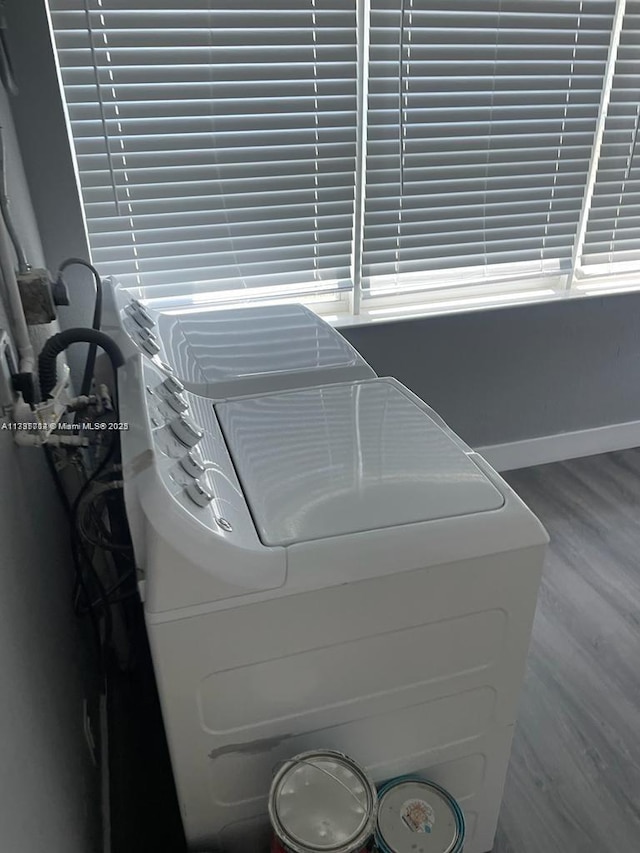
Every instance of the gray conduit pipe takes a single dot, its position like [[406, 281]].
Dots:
[[20, 329]]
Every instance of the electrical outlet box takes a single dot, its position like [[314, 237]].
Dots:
[[37, 297], [8, 368]]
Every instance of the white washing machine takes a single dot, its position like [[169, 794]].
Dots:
[[228, 352], [339, 571]]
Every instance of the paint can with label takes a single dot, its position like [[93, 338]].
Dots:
[[418, 816], [322, 802]]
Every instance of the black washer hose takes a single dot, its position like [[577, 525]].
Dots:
[[90, 363], [58, 343]]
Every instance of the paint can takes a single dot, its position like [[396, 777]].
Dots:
[[322, 802], [418, 816]]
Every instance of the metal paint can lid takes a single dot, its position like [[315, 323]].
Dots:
[[322, 801], [417, 816]]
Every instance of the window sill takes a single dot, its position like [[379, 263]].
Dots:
[[376, 313]]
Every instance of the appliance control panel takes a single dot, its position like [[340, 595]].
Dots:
[[139, 325], [190, 452]]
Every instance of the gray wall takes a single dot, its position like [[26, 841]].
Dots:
[[514, 373], [46, 153], [49, 798], [496, 376]]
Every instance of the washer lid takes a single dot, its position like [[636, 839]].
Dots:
[[229, 352], [347, 458]]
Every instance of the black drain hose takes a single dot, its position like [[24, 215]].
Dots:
[[58, 343]]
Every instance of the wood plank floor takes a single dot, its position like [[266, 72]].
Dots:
[[574, 778]]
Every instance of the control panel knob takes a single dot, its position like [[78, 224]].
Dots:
[[150, 345], [186, 430], [139, 313], [199, 493], [173, 385], [192, 465], [177, 403]]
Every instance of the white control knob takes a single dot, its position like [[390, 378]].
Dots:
[[150, 345], [177, 403], [139, 313], [173, 385], [192, 465], [186, 430], [199, 493]]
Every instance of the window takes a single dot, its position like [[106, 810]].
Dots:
[[370, 157]]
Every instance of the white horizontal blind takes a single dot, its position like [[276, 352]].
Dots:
[[215, 141], [612, 240], [481, 124]]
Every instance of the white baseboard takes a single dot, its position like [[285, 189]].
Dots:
[[562, 446]]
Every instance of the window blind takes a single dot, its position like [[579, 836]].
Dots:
[[215, 141], [302, 149], [480, 130], [612, 240]]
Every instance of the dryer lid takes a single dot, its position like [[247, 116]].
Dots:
[[347, 458], [237, 351]]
